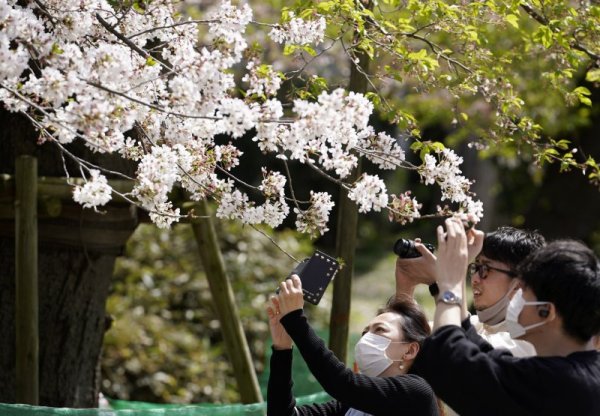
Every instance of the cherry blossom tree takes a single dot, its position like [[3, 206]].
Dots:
[[142, 81], [87, 72]]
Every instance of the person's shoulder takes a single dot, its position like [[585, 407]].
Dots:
[[420, 393], [502, 340], [414, 382]]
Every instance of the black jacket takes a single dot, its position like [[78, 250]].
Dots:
[[475, 379]]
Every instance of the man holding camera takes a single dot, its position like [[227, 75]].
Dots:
[[492, 279], [557, 309]]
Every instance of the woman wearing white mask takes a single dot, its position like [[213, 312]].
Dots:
[[384, 355]]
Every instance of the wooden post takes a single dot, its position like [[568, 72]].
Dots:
[[222, 293], [339, 321], [26, 265]]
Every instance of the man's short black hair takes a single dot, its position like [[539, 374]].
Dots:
[[511, 245], [567, 273]]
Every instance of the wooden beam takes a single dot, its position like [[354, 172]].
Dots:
[[62, 188], [26, 265], [222, 294]]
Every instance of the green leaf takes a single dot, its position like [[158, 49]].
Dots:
[[563, 144], [582, 91], [593, 75], [367, 46], [325, 6], [544, 36], [416, 146], [289, 49], [309, 50], [139, 6], [56, 50], [374, 98], [513, 20], [582, 94], [437, 146], [306, 13], [405, 25], [150, 61]]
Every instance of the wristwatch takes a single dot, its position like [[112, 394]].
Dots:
[[449, 298]]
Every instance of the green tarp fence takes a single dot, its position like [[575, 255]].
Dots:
[[124, 408]]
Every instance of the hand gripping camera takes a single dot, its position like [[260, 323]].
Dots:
[[406, 248]]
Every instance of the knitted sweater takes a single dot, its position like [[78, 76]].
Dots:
[[379, 396]]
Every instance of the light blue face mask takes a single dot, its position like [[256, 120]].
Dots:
[[515, 307]]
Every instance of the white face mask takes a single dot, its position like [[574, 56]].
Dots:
[[370, 355], [515, 306]]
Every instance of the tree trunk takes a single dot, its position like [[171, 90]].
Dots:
[[76, 255], [339, 321]]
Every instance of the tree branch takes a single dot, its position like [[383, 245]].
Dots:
[[544, 21], [130, 44]]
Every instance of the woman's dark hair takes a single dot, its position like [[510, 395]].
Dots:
[[511, 245], [415, 327]]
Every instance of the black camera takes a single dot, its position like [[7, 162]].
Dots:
[[406, 248]]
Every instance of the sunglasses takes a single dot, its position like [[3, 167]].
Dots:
[[484, 269]]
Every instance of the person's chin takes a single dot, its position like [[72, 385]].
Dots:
[[525, 337]]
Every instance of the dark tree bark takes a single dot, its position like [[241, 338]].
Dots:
[[77, 252]]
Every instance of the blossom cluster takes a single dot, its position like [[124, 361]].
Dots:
[[313, 221], [443, 168], [263, 80], [369, 193], [404, 208], [94, 193], [298, 31], [97, 82]]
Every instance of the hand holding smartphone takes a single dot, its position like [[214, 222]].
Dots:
[[315, 274]]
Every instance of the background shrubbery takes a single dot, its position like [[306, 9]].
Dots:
[[165, 344]]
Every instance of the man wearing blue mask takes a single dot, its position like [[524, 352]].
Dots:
[[557, 309]]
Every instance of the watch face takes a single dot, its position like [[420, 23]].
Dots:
[[449, 297]]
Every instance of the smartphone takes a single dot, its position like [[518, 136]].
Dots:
[[315, 274]]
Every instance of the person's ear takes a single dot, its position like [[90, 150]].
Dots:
[[412, 351], [517, 284], [547, 311]]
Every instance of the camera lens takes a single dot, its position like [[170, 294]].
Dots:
[[406, 248]]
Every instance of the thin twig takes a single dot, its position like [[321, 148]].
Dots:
[[287, 171], [274, 243], [326, 175], [187, 22]]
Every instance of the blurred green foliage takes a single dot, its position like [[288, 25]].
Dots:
[[165, 344]]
